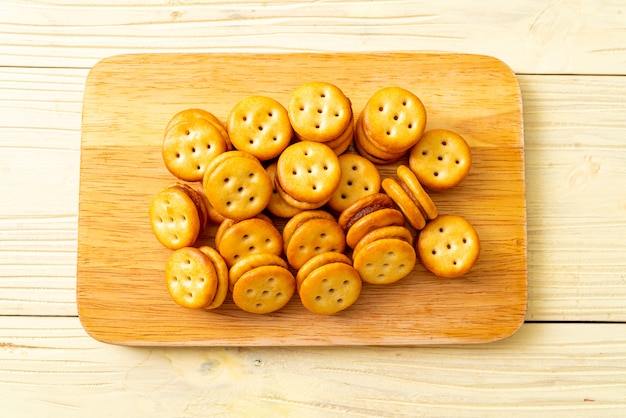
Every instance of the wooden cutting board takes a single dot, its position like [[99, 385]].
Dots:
[[129, 99]]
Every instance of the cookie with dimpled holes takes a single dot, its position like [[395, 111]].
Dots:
[[237, 185], [359, 178], [319, 111], [330, 288], [448, 246], [264, 289], [394, 119], [178, 216], [191, 278], [308, 172], [441, 160], [260, 126]]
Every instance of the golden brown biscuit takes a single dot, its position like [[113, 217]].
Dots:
[[264, 289], [297, 220], [441, 159], [363, 206], [291, 201], [330, 288], [191, 278], [221, 270], [320, 260], [369, 149], [372, 221], [308, 171], [410, 197], [315, 236], [367, 214], [384, 261], [189, 146], [190, 114], [250, 262], [394, 119], [277, 205], [319, 111], [408, 207], [359, 178], [448, 246], [391, 231], [260, 126], [237, 186], [178, 216], [249, 236], [343, 141]]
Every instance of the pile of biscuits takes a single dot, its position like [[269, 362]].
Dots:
[[299, 203]]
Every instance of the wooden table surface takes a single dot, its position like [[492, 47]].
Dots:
[[569, 357]]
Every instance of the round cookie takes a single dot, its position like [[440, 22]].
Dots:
[[189, 146], [394, 119], [384, 261], [343, 142], [238, 187], [320, 260], [277, 205], [369, 149], [264, 289], [319, 111], [391, 231], [448, 246], [308, 171], [221, 270], [295, 202], [441, 159], [190, 114], [260, 126], [250, 262], [249, 236], [297, 220], [359, 178], [191, 278], [178, 216], [372, 221], [313, 237], [330, 288]]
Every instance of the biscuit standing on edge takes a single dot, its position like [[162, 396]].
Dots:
[[178, 216], [410, 197], [221, 270], [448, 246]]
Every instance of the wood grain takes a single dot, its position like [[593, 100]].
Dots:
[[573, 125], [128, 101], [537, 37], [50, 367]]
